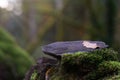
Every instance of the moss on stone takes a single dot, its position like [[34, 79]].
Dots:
[[77, 62], [105, 69], [101, 64], [88, 65], [107, 54]]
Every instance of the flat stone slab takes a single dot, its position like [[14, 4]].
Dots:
[[59, 48]]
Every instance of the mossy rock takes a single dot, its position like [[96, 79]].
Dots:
[[12, 56], [95, 65], [100, 64]]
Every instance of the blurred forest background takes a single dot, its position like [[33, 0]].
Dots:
[[34, 23]]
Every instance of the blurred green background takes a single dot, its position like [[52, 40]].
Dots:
[[29, 24]]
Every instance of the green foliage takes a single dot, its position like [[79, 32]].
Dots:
[[5, 37], [13, 56], [96, 65]]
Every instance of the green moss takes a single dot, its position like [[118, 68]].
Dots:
[[109, 67], [114, 77], [94, 65], [107, 54], [78, 61], [34, 75], [105, 69]]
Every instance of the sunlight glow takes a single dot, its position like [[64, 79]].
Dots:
[[3, 3], [6, 4], [12, 5]]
